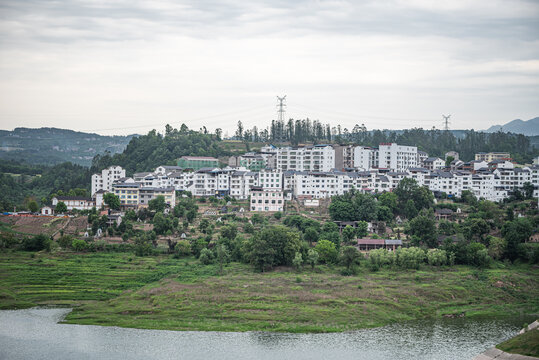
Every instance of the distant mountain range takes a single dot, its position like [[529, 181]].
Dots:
[[52, 146], [529, 128]]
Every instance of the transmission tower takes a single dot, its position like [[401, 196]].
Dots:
[[280, 106], [446, 121]]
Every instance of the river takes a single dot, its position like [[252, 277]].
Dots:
[[36, 334]]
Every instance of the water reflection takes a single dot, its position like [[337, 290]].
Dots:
[[34, 333]]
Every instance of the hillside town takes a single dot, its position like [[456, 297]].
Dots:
[[309, 173]]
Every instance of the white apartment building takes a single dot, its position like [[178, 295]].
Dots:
[[433, 163], [397, 157], [266, 199], [366, 158], [241, 181], [270, 179], [108, 176], [308, 158]]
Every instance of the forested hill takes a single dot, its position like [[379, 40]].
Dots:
[[49, 146], [145, 153]]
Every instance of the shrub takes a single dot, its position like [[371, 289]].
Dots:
[[477, 255], [79, 245], [380, 257], [65, 241], [410, 258], [327, 251], [278, 215], [312, 257], [437, 257], [37, 243], [183, 248], [206, 256], [297, 261]]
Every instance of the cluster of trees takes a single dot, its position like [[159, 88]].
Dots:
[[407, 200], [435, 142]]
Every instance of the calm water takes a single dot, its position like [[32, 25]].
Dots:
[[35, 334]]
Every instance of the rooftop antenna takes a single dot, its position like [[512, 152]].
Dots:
[[281, 111], [446, 121]]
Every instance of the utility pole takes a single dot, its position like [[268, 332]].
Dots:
[[281, 111], [446, 122]]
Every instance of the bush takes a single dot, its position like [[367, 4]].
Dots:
[[79, 245], [7, 240], [327, 251], [477, 255], [437, 257], [410, 258], [142, 249], [65, 241], [381, 257], [278, 215], [183, 248], [206, 256], [37, 243]]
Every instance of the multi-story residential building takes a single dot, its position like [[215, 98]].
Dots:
[[421, 157], [453, 154], [197, 162], [270, 179], [74, 202], [308, 158], [252, 162], [107, 177], [433, 163], [266, 199], [127, 191], [241, 181], [491, 156], [397, 157], [344, 156], [366, 158], [146, 194]]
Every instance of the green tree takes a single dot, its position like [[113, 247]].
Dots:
[[326, 251], [157, 204], [389, 200], [312, 257], [79, 245], [362, 229], [229, 231], [206, 256], [516, 232], [274, 246], [112, 200], [423, 227], [297, 261], [33, 206], [61, 207], [350, 258], [223, 257], [311, 234], [496, 247], [36, 243], [348, 233], [183, 248]]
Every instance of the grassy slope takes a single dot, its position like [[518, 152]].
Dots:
[[165, 293], [524, 344]]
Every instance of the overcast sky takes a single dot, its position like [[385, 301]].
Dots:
[[119, 67]]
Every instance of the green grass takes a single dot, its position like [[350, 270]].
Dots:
[[523, 344], [181, 294]]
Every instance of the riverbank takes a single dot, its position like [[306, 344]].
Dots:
[[181, 294]]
